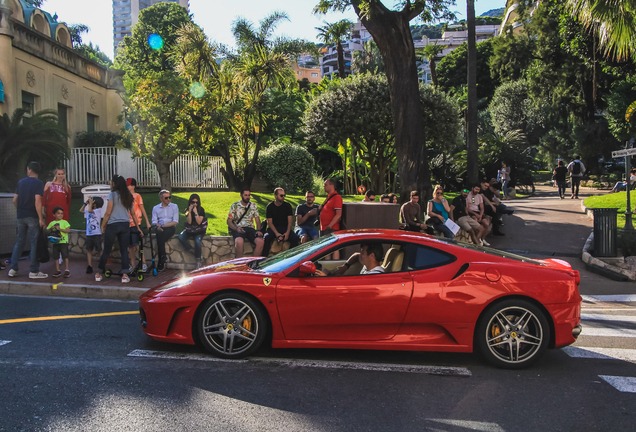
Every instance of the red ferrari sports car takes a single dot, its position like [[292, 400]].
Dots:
[[428, 294]]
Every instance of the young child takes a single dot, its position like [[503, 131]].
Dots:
[[92, 209], [58, 231]]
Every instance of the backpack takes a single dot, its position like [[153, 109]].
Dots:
[[576, 168]]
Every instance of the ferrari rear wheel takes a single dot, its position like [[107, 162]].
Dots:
[[232, 325], [513, 334]]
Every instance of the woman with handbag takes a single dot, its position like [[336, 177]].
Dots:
[[195, 227], [438, 212]]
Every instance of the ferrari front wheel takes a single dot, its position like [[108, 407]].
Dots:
[[512, 334], [231, 325]]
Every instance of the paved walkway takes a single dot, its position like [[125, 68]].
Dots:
[[546, 226], [543, 226]]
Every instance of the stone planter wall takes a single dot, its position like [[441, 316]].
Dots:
[[214, 249]]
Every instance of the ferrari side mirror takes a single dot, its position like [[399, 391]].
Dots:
[[307, 268]]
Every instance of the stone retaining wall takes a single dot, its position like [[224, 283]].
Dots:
[[214, 249]]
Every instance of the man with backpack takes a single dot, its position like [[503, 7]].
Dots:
[[576, 170]]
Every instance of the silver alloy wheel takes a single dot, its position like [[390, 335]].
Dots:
[[514, 335], [230, 326]]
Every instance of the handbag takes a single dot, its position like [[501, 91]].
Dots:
[[42, 247], [196, 230]]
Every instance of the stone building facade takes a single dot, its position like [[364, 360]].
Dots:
[[40, 70]]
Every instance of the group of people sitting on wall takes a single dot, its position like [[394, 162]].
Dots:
[[311, 220], [467, 210]]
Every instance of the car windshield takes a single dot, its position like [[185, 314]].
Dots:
[[492, 251], [293, 256]]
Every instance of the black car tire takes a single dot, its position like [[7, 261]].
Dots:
[[231, 325], [512, 334]]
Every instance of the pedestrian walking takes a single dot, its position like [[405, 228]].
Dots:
[[116, 225], [559, 175], [576, 170], [503, 177], [30, 218]]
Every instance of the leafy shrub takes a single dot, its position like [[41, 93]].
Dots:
[[101, 139], [613, 178], [319, 185], [593, 177], [597, 185], [287, 165], [627, 242]]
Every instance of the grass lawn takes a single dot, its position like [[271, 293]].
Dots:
[[612, 200], [216, 205]]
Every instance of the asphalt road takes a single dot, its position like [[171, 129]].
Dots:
[[101, 373]]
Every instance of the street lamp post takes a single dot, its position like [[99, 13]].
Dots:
[[628, 214]]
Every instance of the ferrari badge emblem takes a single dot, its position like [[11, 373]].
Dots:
[[267, 281]]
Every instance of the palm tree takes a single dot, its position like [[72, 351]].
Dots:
[[613, 21], [39, 137], [430, 53], [367, 60], [336, 33]]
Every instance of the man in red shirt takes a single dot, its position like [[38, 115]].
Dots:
[[331, 212]]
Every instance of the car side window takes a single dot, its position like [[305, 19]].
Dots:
[[422, 257]]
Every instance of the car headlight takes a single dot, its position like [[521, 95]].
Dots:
[[179, 283]]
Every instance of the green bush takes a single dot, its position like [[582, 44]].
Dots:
[[287, 165], [319, 185], [101, 139], [613, 178], [593, 177], [627, 242]]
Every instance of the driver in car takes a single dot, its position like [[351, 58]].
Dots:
[[370, 255]]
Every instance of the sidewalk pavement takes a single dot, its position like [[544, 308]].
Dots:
[[80, 284], [543, 226]]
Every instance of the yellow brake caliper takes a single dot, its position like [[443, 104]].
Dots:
[[247, 325]]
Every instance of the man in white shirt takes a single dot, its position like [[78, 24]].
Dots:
[[576, 169], [371, 256], [165, 216]]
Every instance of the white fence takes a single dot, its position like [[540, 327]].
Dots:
[[96, 165]]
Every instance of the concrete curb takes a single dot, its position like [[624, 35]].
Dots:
[[611, 271], [70, 290]]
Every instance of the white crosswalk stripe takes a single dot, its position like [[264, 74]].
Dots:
[[623, 384], [4, 342], [598, 321]]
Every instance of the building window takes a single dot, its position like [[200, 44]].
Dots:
[[314, 74], [28, 103], [62, 116], [91, 122]]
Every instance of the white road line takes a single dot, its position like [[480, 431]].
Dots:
[[620, 298], [623, 384], [377, 367], [603, 317], [470, 425], [601, 353], [607, 332], [4, 342], [179, 356]]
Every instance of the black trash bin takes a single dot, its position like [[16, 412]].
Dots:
[[605, 232]]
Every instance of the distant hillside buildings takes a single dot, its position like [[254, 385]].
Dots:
[[126, 14]]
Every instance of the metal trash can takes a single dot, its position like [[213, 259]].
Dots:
[[605, 232]]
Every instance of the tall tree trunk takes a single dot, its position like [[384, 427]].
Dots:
[[472, 155], [344, 171], [392, 34], [250, 169], [341, 65], [433, 70], [163, 169], [228, 171]]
